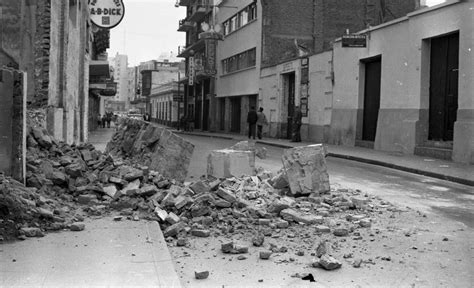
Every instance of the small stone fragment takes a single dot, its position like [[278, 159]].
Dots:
[[77, 226], [329, 263], [341, 232], [258, 240], [201, 232], [201, 274], [265, 255], [322, 229], [172, 218], [227, 247], [357, 262]]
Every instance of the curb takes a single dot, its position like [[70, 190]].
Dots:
[[403, 168], [359, 159], [202, 135]]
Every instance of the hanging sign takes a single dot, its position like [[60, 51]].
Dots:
[[106, 13], [354, 41]]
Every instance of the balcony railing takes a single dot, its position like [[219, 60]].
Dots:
[[186, 25]]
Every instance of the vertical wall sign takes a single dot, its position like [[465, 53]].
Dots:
[[191, 71], [106, 13]]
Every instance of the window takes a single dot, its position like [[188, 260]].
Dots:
[[240, 19], [244, 16], [240, 61], [252, 14], [233, 23]]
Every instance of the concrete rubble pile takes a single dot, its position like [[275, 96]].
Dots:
[[67, 182], [153, 146], [251, 208]]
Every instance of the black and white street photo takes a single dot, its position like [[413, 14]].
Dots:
[[236, 143]]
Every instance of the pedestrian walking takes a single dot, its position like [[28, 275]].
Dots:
[[99, 121], [252, 121], [146, 117], [261, 121], [296, 136], [104, 120], [108, 118]]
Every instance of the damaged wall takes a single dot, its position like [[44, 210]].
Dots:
[[153, 146]]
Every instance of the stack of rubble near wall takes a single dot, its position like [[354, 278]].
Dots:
[[67, 182], [153, 146]]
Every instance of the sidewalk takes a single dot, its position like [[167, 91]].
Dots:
[[106, 254], [436, 168]]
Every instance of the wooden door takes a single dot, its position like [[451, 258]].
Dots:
[[373, 71], [444, 66], [235, 114]]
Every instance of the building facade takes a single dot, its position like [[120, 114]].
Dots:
[[408, 91], [165, 104], [238, 63], [310, 27], [54, 49], [199, 51]]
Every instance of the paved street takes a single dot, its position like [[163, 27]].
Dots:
[[451, 200], [445, 209]]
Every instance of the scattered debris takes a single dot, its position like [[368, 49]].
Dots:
[[201, 274]]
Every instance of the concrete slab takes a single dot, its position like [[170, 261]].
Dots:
[[228, 163], [107, 253]]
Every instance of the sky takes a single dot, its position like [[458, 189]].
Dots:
[[149, 30]]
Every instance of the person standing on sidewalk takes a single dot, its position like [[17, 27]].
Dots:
[[252, 121], [261, 121], [297, 125]]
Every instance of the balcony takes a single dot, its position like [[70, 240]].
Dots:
[[195, 47], [199, 11], [185, 2], [186, 25]]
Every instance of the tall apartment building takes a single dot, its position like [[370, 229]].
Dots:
[[120, 101]]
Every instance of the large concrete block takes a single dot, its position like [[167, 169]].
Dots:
[[228, 163], [306, 169], [172, 156]]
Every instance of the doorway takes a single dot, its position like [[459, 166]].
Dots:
[[197, 114], [235, 114], [289, 90], [205, 118], [222, 114], [373, 71], [444, 64]]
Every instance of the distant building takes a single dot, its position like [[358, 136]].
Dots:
[[120, 101], [164, 104], [155, 73]]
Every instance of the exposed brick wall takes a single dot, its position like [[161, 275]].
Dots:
[[315, 23], [283, 22], [42, 53]]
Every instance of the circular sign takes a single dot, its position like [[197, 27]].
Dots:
[[106, 13]]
